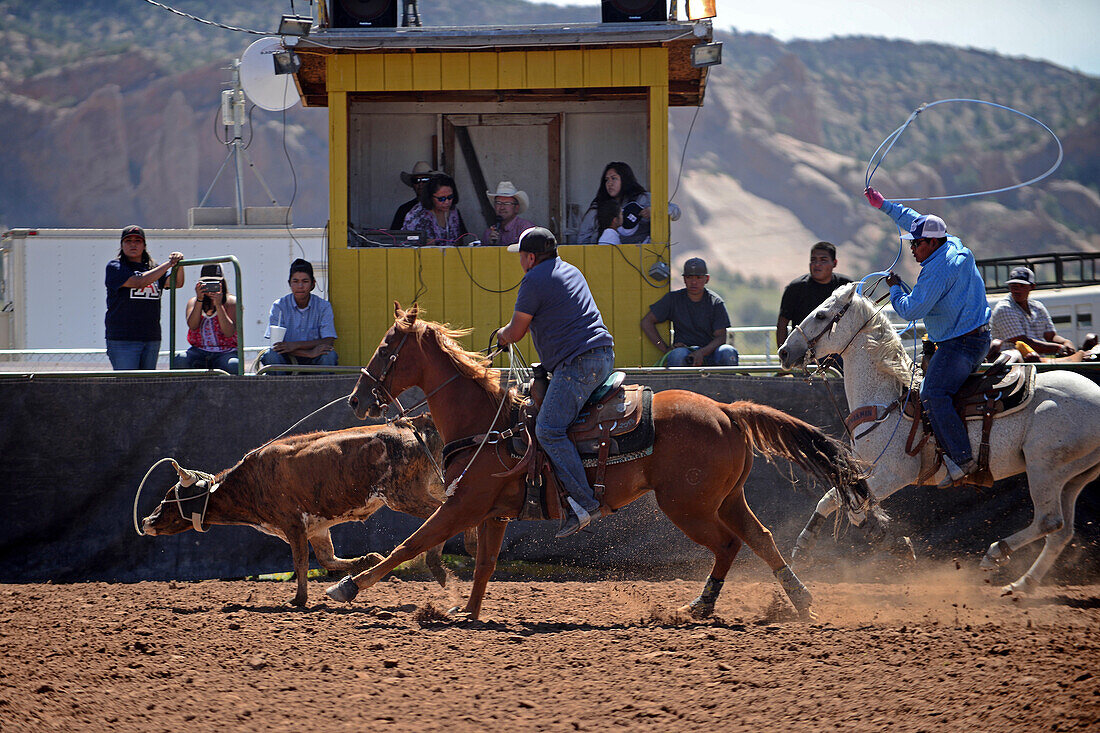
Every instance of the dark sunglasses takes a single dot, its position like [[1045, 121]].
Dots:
[[441, 199]]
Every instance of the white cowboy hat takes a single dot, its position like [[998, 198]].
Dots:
[[422, 168], [507, 188]]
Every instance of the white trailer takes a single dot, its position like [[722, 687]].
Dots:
[[52, 292]]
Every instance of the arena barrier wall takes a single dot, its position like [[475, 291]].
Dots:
[[73, 451]]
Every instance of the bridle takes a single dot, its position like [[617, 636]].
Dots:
[[811, 355], [377, 384]]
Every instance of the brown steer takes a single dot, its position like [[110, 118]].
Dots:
[[297, 488]]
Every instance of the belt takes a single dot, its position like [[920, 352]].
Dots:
[[978, 330]]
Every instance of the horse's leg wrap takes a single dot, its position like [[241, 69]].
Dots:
[[997, 555], [703, 605], [344, 591], [807, 538], [792, 586]]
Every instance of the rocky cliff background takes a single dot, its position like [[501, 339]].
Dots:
[[109, 114]]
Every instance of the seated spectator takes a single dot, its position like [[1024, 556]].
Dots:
[[211, 325], [420, 175], [1016, 318], [436, 214], [618, 183], [609, 217], [699, 322], [509, 203], [308, 321]]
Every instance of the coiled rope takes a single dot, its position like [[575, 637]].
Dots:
[[893, 137]]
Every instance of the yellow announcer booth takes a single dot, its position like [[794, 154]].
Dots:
[[545, 107]]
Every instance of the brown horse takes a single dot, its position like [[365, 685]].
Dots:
[[706, 501]]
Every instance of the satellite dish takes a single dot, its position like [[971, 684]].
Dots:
[[270, 91]]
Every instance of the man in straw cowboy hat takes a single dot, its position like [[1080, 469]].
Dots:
[[509, 202], [420, 175]]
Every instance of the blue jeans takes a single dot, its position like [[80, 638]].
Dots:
[[132, 354], [196, 358], [271, 356], [954, 360], [570, 387], [724, 355]]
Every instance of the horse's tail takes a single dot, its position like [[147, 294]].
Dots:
[[774, 433]]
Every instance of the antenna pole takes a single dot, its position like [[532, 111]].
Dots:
[[238, 140]]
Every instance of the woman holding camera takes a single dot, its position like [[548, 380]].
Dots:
[[211, 328]]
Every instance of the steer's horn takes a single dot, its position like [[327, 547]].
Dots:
[[187, 478]]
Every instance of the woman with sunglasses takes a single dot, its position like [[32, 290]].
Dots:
[[437, 213], [950, 296]]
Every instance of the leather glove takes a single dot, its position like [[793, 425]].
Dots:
[[874, 198]]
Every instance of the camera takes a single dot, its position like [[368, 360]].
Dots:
[[210, 286]]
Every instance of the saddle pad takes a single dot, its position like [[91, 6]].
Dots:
[[1015, 389], [634, 444]]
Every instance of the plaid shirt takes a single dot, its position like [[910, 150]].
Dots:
[[1010, 320]]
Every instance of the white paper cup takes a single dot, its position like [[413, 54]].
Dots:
[[277, 334]]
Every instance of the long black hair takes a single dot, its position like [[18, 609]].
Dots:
[[606, 213], [630, 186], [432, 187]]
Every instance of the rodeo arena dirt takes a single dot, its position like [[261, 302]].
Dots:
[[936, 650], [586, 633]]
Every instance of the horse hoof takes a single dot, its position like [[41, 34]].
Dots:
[[459, 614], [697, 609], [902, 549], [344, 591], [1020, 588], [801, 557]]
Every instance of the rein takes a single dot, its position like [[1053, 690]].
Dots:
[[382, 395], [810, 353]]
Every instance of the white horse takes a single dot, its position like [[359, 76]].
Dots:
[[1055, 438]]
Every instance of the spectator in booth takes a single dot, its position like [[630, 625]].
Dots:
[[416, 180], [134, 286], [804, 294], [618, 183], [699, 322], [436, 214], [211, 325], [609, 217], [308, 321], [508, 202], [1018, 318]]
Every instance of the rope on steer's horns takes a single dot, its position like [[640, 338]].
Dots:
[[187, 478]]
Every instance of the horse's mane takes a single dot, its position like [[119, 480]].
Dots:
[[886, 348], [470, 364]]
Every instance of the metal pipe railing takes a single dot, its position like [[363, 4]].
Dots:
[[240, 306]]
